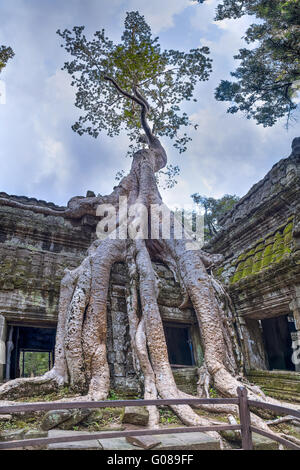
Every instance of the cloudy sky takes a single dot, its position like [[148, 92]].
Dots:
[[40, 155]]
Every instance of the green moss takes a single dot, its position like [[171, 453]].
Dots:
[[219, 271], [256, 266], [259, 247], [288, 238], [288, 228], [267, 256], [265, 252], [248, 267]]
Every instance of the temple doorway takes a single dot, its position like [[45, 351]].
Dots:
[[179, 343], [30, 351], [277, 334]]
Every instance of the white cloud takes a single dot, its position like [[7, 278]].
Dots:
[[160, 14]]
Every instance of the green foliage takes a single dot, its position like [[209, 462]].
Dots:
[[165, 78], [35, 363], [214, 209], [6, 53], [268, 76], [213, 393], [113, 395], [166, 416]]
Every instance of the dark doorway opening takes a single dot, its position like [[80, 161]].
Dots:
[[179, 344], [30, 351], [278, 342]]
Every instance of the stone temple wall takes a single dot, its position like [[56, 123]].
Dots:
[[260, 241]]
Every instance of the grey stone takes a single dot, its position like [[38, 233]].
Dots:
[[77, 416], [138, 415], [5, 417], [35, 434], [187, 441], [259, 442], [182, 441], [93, 444], [12, 435], [54, 418], [112, 427], [263, 443], [145, 442], [117, 443]]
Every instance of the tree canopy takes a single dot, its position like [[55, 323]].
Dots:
[[6, 53], [214, 209], [166, 78], [267, 79]]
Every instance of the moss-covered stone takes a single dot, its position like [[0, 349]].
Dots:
[[265, 252]]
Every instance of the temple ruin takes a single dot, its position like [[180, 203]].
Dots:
[[260, 242]]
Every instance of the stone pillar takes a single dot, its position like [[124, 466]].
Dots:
[[253, 346], [295, 309], [2, 346]]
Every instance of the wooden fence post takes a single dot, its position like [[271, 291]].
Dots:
[[245, 420]]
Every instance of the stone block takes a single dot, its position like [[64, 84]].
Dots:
[[144, 442], [92, 444], [137, 415], [76, 417], [55, 417]]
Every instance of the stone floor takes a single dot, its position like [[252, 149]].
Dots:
[[182, 441]]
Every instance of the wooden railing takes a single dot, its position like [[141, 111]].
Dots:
[[242, 401]]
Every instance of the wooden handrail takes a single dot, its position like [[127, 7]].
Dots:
[[279, 439], [279, 409], [242, 401], [115, 403], [109, 435]]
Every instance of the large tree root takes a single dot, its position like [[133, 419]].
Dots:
[[80, 352]]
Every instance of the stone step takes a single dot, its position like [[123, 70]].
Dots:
[[93, 444], [182, 441], [175, 441]]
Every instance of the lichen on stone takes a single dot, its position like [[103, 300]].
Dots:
[[265, 252]]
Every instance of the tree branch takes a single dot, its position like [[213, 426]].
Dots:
[[123, 92], [139, 99]]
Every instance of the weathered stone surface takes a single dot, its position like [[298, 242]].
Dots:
[[231, 436], [186, 379], [279, 384], [55, 417], [187, 441], [92, 444], [144, 442], [259, 442], [12, 434], [263, 443], [112, 427], [5, 417], [138, 415], [182, 441], [76, 417], [117, 443], [35, 434]]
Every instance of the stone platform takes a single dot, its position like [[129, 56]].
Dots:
[[183, 441]]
